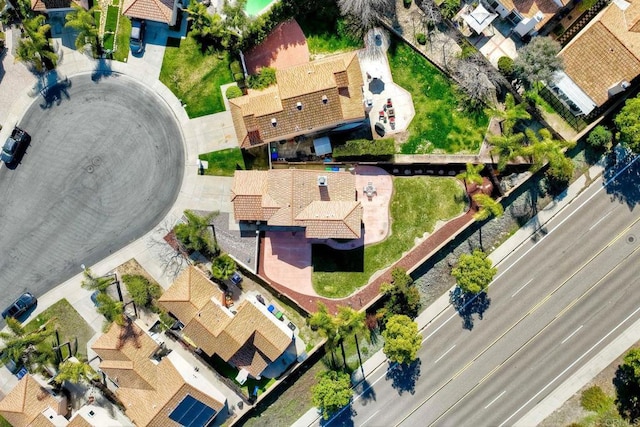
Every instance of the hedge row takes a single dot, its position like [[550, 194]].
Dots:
[[364, 148]]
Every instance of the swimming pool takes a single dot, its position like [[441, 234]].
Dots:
[[254, 7]]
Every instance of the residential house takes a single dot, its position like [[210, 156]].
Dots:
[[48, 6], [164, 11], [309, 98], [33, 403], [156, 390], [602, 60], [249, 337], [323, 204], [527, 16]]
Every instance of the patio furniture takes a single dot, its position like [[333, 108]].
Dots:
[[392, 122], [381, 116], [391, 112], [369, 189], [389, 104]]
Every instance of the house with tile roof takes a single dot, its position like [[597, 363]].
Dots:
[[46, 6], [603, 59], [527, 16], [309, 98], [322, 204], [164, 11], [31, 402], [155, 390], [249, 337]]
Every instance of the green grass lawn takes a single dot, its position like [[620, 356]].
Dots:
[[323, 37], [416, 205], [440, 125], [69, 323], [122, 39], [230, 372], [195, 77], [107, 41], [111, 22], [223, 162]]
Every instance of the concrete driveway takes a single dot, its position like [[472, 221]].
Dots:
[[105, 165]]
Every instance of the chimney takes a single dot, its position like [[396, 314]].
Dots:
[[322, 181]]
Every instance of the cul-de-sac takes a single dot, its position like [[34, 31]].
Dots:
[[319, 213]]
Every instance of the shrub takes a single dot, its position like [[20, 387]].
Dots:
[[421, 38], [265, 78], [595, 399], [449, 8], [407, 3], [600, 136], [238, 77], [233, 92], [364, 148], [235, 67], [141, 290], [505, 65], [223, 267]]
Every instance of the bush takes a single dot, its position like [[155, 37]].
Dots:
[[407, 3], [235, 67], [265, 78], [594, 399], [600, 136], [505, 65], [421, 38], [223, 267], [233, 92], [141, 290], [364, 148]]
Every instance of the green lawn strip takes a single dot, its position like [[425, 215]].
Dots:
[[439, 123], [107, 41], [230, 372], [111, 22], [223, 162], [416, 205], [122, 39], [195, 77], [69, 323]]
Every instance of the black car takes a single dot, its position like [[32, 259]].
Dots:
[[136, 40], [20, 306], [13, 143]]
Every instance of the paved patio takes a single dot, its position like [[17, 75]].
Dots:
[[497, 40], [285, 47]]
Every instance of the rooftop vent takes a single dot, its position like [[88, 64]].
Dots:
[[299, 105], [325, 99], [274, 122], [624, 85], [322, 181]]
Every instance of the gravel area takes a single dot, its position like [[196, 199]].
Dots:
[[242, 245]]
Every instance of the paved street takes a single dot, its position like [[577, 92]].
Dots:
[[557, 301], [104, 166]]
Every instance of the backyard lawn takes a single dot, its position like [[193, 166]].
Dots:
[[195, 77], [323, 36], [440, 125], [223, 162], [417, 204]]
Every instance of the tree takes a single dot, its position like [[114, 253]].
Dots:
[[449, 8], [506, 146], [538, 61], [474, 272], [488, 207], [627, 384], [26, 347], [471, 175], [401, 339], [325, 323], [112, 310], [84, 23], [600, 137], [332, 392], [476, 81], [351, 322], [75, 371], [628, 123], [432, 15], [33, 48], [195, 234], [547, 149], [95, 283], [208, 29], [142, 291], [235, 17], [223, 267], [364, 14], [511, 114], [402, 296]]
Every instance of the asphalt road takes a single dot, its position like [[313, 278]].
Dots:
[[555, 302], [104, 166]]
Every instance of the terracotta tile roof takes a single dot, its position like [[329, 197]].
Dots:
[[298, 200], [149, 390], [528, 8], [154, 10], [26, 401], [48, 5], [79, 421], [249, 358], [313, 96], [605, 53]]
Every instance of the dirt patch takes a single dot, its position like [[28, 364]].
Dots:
[[133, 268]]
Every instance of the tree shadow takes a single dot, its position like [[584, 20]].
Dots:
[[54, 94], [343, 418], [366, 392], [102, 70], [621, 176], [404, 377], [627, 392], [467, 304]]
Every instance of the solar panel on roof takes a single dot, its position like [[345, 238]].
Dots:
[[190, 412]]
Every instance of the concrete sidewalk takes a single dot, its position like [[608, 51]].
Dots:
[[526, 232]]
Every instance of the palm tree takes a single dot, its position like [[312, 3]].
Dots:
[[488, 207], [506, 146], [194, 234], [208, 29], [112, 310], [471, 175], [75, 371], [351, 322], [511, 114], [325, 323], [34, 47], [223, 267], [547, 149], [94, 283], [25, 347], [84, 22]]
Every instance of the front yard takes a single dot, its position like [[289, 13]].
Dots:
[[417, 204]]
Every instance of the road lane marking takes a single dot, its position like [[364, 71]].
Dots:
[[521, 288], [497, 397], [599, 221], [572, 365], [572, 334], [444, 354], [369, 419]]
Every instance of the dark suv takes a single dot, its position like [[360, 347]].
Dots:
[[20, 306], [13, 143], [136, 41]]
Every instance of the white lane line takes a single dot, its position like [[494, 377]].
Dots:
[[521, 288], [572, 334], [599, 221], [445, 353], [497, 397], [571, 366], [369, 419]]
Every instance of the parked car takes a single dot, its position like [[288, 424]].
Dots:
[[136, 41], [13, 143], [20, 306]]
